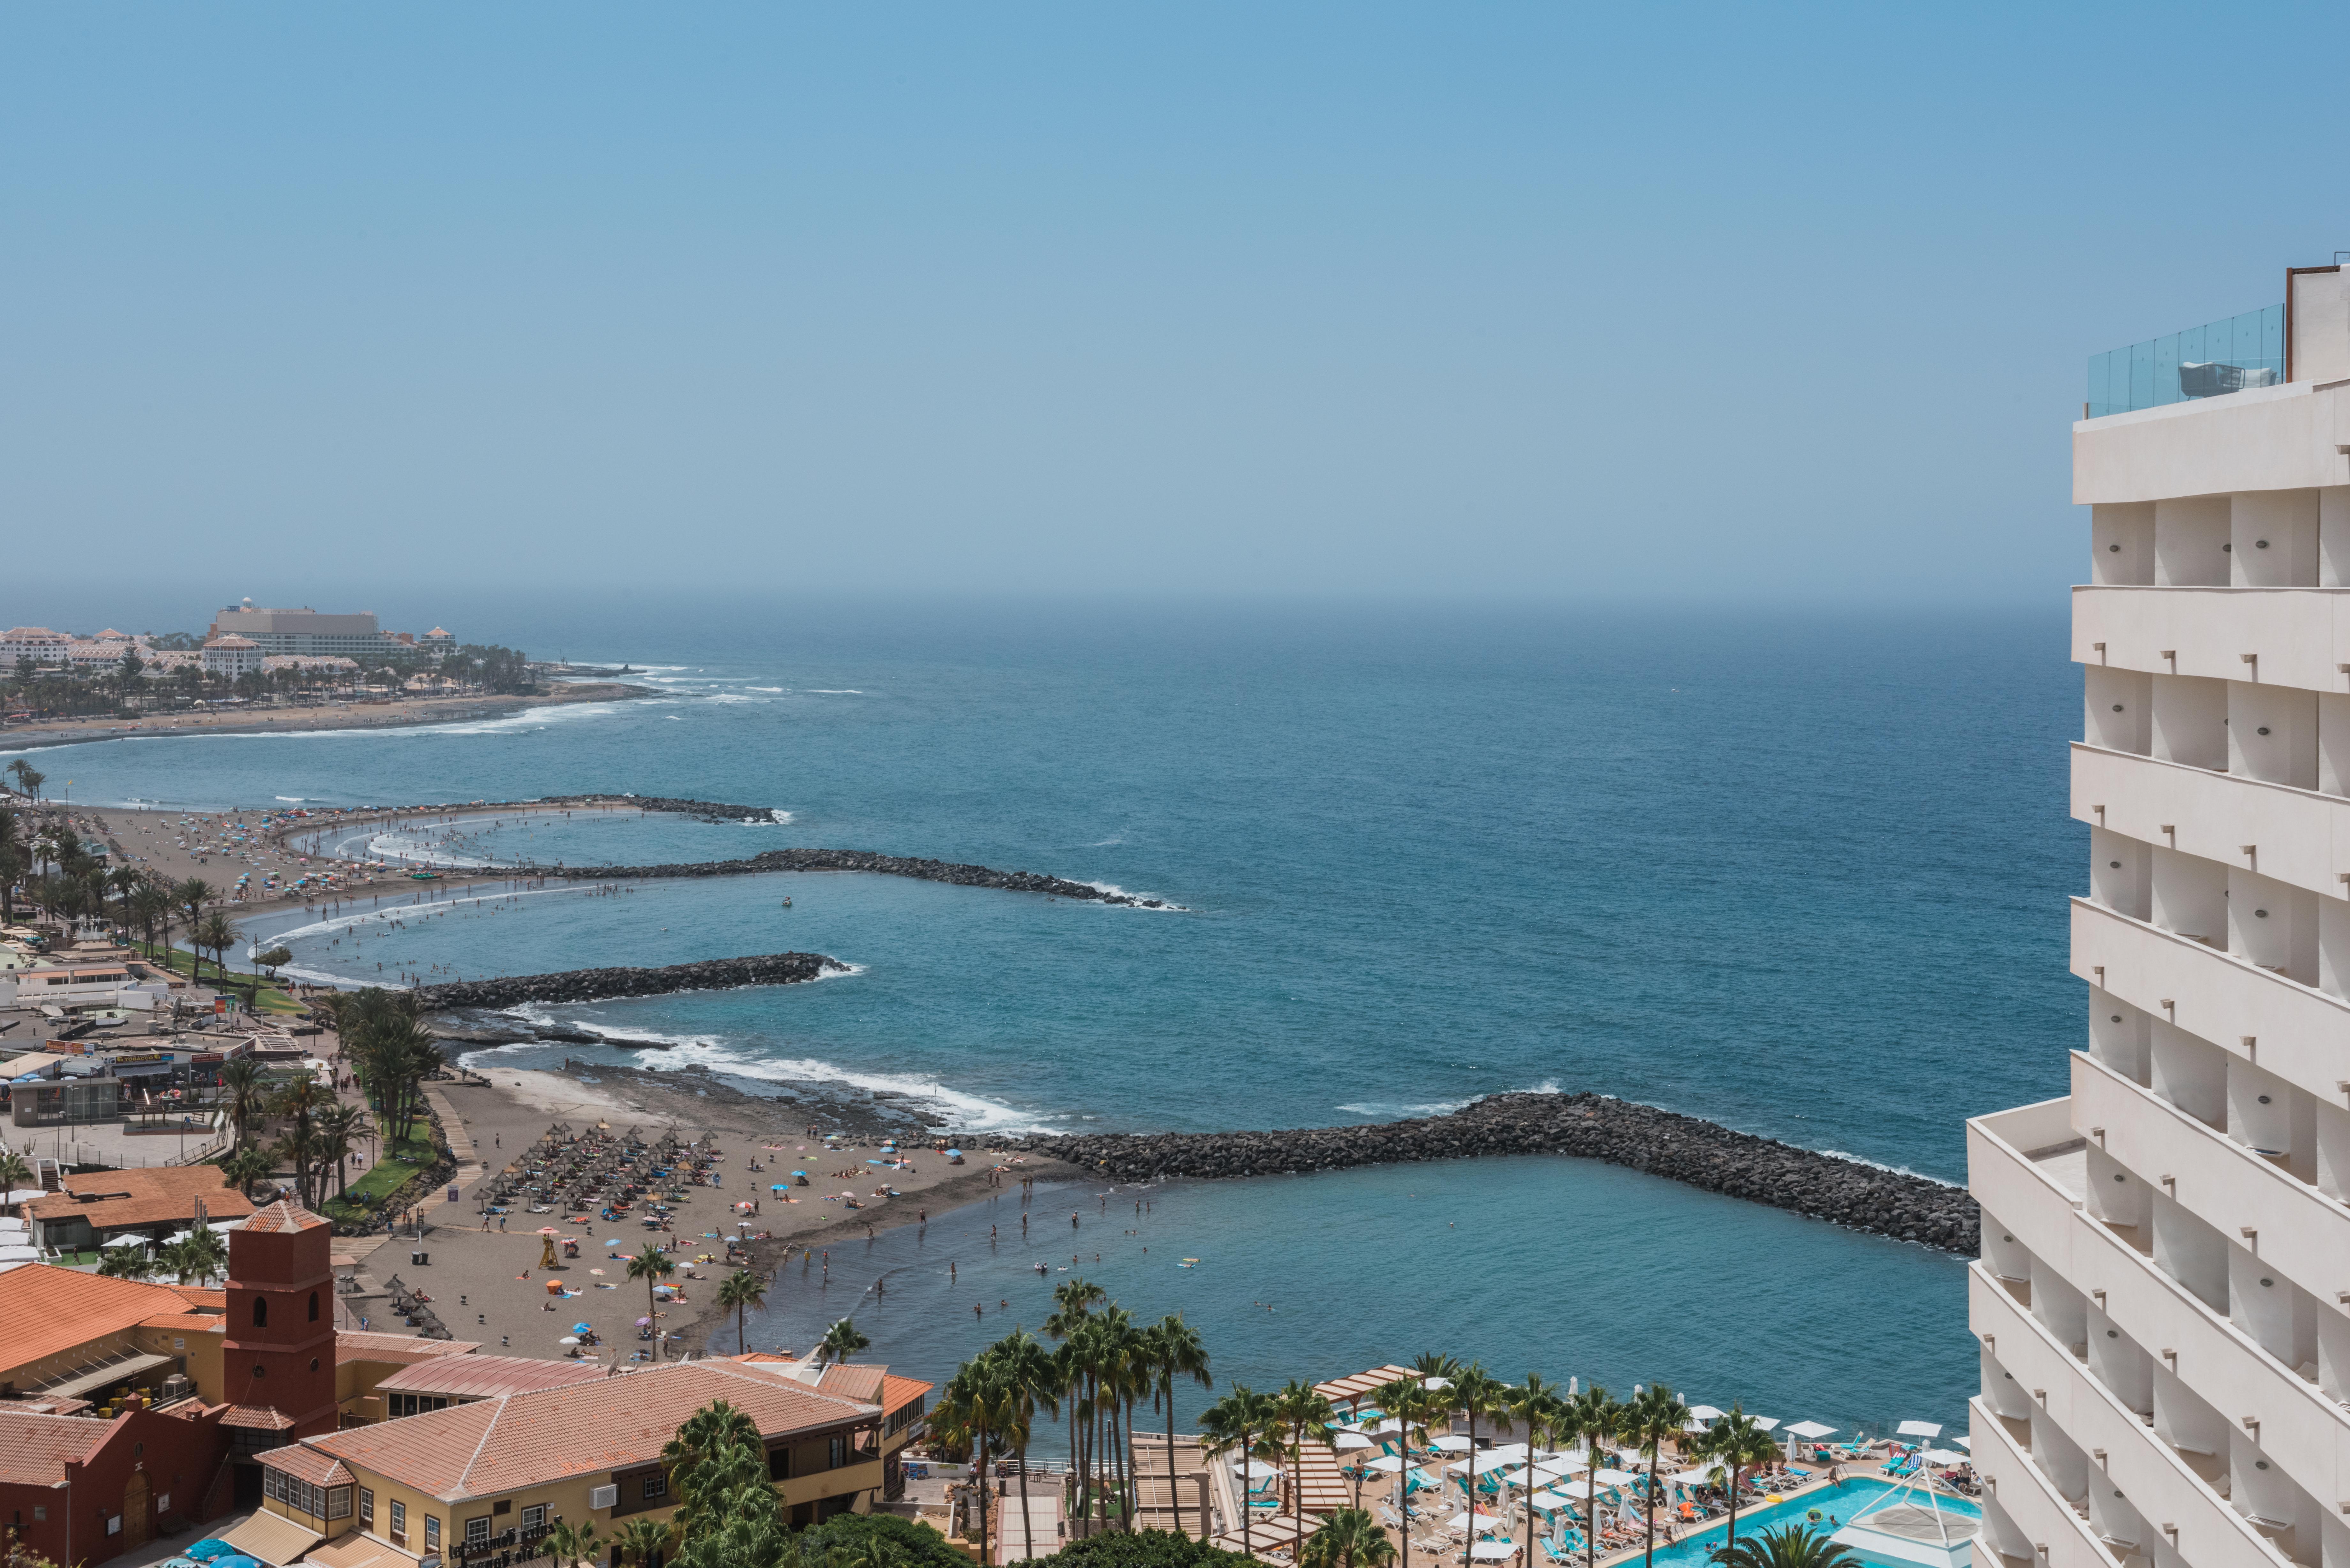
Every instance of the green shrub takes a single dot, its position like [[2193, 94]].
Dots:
[[845, 1533], [1145, 1548]]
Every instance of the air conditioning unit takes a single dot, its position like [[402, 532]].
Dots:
[[604, 1497]]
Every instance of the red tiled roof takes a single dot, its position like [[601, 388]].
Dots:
[[161, 1195], [33, 1449], [500, 1445], [487, 1376], [45, 1311], [257, 1418], [283, 1215], [897, 1393], [360, 1345], [862, 1384], [307, 1464]]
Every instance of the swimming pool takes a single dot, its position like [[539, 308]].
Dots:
[[1838, 1503]]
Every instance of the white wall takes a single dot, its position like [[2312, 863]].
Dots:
[[2190, 720], [2273, 733], [2274, 537], [2192, 541], [2118, 710], [2121, 543]]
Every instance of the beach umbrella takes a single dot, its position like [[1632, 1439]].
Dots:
[[1705, 1413], [204, 1550], [1386, 1464], [1770, 1423], [1437, 1382], [548, 1230], [1347, 1441], [1919, 1430], [1452, 1445], [644, 1322], [1967, 1443], [583, 1328], [236, 1560], [613, 1242], [127, 1242], [1493, 1550], [1809, 1429], [1942, 1457]]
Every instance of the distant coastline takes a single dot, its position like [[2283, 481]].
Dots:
[[331, 716]]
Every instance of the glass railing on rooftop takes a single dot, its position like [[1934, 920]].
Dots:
[[2224, 356]]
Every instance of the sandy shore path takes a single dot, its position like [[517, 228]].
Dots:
[[327, 716]]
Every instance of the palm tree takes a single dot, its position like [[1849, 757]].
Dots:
[[651, 1265], [1477, 1392], [840, 1342], [1793, 1547], [1656, 1415], [1591, 1419], [1306, 1414], [16, 1173], [199, 1256], [126, 1263], [1535, 1404], [1414, 1406], [639, 1539], [339, 1126], [247, 1092], [1349, 1538], [571, 1544], [1734, 1443], [742, 1290], [1031, 1381], [1172, 1351], [245, 1165], [215, 933], [193, 896], [299, 1102], [27, 778], [971, 1410], [1241, 1422]]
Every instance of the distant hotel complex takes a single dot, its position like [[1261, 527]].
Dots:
[[2163, 1301], [241, 639]]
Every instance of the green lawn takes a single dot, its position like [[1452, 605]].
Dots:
[[181, 961]]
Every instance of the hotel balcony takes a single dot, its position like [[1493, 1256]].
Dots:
[[2300, 837], [2261, 389], [2298, 1232], [2294, 636], [2177, 1499], [2272, 1022], [2255, 1400], [2054, 1534]]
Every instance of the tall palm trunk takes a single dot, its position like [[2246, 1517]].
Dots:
[[1027, 1525], [979, 1474], [1591, 1506], [1734, 1472], [1125, 1451], [1174, 1496], [1648, 1508]]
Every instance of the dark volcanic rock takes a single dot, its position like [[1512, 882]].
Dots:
[[848, 860], [1590, 1127], [596, 984]]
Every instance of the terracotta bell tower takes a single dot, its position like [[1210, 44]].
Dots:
[[279, 1350]]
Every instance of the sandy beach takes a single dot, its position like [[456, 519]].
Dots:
[[487, 1282]]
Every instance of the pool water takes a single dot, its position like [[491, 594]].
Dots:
[[1837, 1505]]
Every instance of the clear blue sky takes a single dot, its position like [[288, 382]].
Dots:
[[1513, 300]]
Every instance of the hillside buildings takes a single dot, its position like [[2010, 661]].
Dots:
[[307, 633], [2163, 1301]]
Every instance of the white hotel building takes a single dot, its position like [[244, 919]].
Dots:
[[2163, 1300]]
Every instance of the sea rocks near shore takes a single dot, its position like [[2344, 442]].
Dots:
[[597, 984], [1590, 1127], [851, 860]]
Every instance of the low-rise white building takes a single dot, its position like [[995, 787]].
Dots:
[[232, 656], [38, 643]]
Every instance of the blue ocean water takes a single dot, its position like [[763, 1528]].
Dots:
[[1802, 875]]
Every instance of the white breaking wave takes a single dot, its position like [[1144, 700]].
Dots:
[[835, 691], [293, 799], [1166, 906], [774, 688], [1894, 1169]]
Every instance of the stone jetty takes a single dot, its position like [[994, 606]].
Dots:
[[597, 984], [848, 860], [1588, 1126]]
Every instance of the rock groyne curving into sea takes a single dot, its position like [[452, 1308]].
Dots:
[[1687, 1149], [867, 860], [600, 985]]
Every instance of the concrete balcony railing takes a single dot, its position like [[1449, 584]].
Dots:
[[2296, 1031], [2304, 1433], [2297, 1231], [2297, 637], [2059, 1537], [2285, 437], [2299, 836], [2175, 1500]]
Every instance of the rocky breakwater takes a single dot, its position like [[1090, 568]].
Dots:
[[704, 810], [1588, 1126], [851, 860], [600, 984]]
